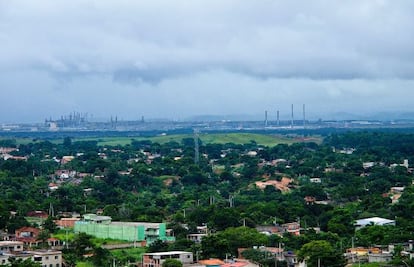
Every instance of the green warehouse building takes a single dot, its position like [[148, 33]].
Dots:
[[103, 227]]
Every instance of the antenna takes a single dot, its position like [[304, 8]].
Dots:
[[231, 201], [196, 147], [51, 210]]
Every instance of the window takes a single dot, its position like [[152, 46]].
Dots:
[[47, 257], [36, 258], [56, 257]]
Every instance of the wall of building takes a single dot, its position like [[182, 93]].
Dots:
[[128, 231]]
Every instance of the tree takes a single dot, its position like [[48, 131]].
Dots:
[[67, 142], [101, 257], [158, 246], [50, 225], [172, 263], [321, 253], [43, 237], [13, 262], [81, 243]]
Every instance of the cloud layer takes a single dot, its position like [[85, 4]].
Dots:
[[181, 58]]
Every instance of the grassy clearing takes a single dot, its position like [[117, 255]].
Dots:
[[216, 138], [221, 138], [374, 264], [84, 264], [131, 254]]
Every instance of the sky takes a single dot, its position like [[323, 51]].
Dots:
[[177, 59]]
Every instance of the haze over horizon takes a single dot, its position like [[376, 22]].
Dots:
[[180, 59]]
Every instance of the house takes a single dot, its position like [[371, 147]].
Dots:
[[51, 258], [269, 229], [371, 254], [29, 237], [25, 233], [4, 236], [11, 246], [48, 258], [367, 165], [66, 159], [373, 221], [157, 259], [196, 237], [66, 222], [53, 186], [309, 200], [37, 214], [404, 164], [65, 174], [293, 228]]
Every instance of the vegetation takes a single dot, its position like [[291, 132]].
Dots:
[[158, 179]]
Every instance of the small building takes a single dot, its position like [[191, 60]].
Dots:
[[11, 246], [373, 221], [37, 214], [66, 222], [52, 258], [66, 159], [315, 180], [157, 259], [48, 258], [103, 227], [293, 228], [381, 257], [196, 237], [93, 218]]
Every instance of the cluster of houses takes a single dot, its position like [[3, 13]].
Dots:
[[15, 249], [24, 242], [23, 245]]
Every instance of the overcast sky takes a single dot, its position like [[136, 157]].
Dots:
[[176, 59]]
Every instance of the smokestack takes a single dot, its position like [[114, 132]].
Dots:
[[304, 116], [265, 118], [291, 123], [278, 121]]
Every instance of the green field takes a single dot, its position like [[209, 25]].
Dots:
[[217, 138], [221, 138]]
